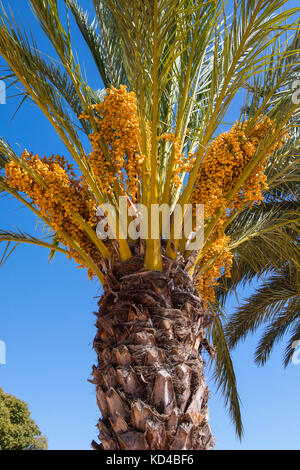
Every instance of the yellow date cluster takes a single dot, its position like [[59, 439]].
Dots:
[[222, 168], [118, 129], [60, 193]]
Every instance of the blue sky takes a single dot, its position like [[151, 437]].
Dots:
[[47, 321]]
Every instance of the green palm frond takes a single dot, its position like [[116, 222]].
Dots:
[[12, 239], [104, 44], [21, 56], [276, 301], [271, 92], [92, 38], [52, 73], [28, 67], [268, 217], [268, 246], [275, 84], [47, 14], [224, 374], [277, 328], [255, 259], [251, 31], [263, 240], [283, 171]]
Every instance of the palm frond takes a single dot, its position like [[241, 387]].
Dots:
[[276, 294], [92, 38], [265, 218], [23, 59], [254, 27], [224, 374], [13, 239], [263, 239], [274, 85], [277, 328], [283, 171]]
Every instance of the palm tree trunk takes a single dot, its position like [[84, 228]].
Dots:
[[150, 384]]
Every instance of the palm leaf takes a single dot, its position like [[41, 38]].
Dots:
[[274, 301], [224, 374], [251, 30], [29, 68], [91, 37], [16, 238], [268, 241], [277, 328]]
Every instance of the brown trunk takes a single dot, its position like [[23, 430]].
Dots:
[[151, 388]]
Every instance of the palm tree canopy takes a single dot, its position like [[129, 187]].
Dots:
[[156, 140]]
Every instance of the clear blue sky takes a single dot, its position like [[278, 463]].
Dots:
[[47, 321]]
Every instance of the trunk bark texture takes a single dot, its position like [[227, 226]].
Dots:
[[150, 384]]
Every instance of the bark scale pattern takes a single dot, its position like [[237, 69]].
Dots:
[[151, 388]]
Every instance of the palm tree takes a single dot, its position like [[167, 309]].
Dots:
[[171, 69]]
